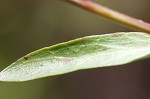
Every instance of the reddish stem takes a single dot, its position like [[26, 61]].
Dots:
[[112, 15]]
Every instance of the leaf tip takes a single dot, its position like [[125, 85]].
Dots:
[[6, 77]]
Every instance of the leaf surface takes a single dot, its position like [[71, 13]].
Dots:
[[83, 53]]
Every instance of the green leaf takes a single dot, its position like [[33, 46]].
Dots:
[[83, 53]]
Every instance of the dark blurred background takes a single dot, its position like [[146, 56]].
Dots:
[[27, 25]]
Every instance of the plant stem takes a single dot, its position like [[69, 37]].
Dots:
[[112, 15]]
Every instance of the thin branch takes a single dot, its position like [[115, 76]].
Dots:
[[112, 15]]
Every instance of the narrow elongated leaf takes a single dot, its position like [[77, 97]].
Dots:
[[83, 53]]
